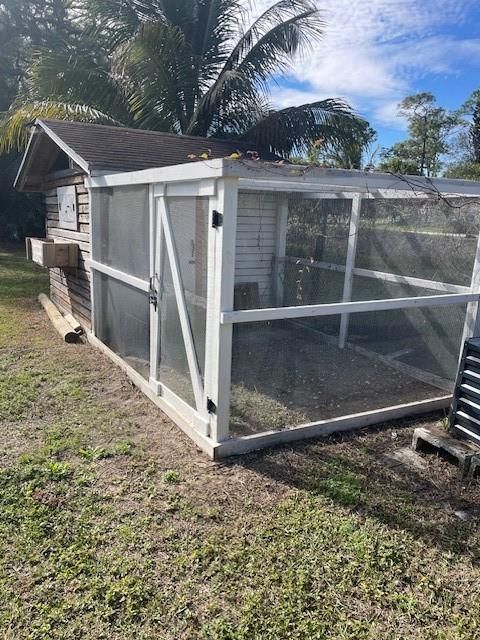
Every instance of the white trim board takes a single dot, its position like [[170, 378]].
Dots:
[[434, 285], [316, 310], [64, 147], [245, 444], [349, 266], [259, 176], [133, 281]]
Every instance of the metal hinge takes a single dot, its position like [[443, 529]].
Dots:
[[211, 406], [217, 219]]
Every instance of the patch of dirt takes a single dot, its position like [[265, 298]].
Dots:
[[282, 376]]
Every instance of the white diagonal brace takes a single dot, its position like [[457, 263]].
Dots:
[[182, 308]]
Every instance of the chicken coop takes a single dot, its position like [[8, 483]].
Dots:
[[258, 303]]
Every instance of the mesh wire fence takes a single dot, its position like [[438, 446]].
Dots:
[[120, 229], [290, 372], [189, 224], [122, 321], [425, 238], [433, 238]]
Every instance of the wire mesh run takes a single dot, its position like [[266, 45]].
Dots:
[[402, 247], [290, 372]]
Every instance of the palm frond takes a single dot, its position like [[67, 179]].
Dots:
[[14, 126], [279, 13], [74, 77], [158, 71], [114, 22], [268, 46], [293, 130]]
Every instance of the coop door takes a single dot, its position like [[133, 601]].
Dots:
[[180, 300]]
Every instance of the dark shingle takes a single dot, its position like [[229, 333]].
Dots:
[[122, 149]]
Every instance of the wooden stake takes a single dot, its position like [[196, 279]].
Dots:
[[76, 326], [58, 321]]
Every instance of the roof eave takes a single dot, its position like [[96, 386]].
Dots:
[[21, 182], [20, 178], [83, 164]]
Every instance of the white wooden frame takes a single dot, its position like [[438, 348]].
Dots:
[[472, 320], [317, 310], [280, 247], [421, 283], [221, 276], [220, 180], [133, 281]]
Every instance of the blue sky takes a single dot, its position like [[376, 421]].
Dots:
[[375, 52]]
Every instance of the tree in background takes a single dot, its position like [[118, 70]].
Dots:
[[196, 67], [466, 152], [24, 26], [349, 155], [430, 128], [475, 128]]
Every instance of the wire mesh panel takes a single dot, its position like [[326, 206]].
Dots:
[[188, 218], [173, 364], [433, 239], [316, 250], [122, 321], [120, 229], [284, 242], [289, 372]]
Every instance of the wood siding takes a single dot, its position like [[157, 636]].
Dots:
[[256, 239], [70, 287]]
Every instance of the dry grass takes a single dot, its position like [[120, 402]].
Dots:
[[113, 525]]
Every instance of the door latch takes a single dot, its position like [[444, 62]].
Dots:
[[153, 294], [217, 219]]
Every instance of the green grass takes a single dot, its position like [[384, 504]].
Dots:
[[113, 526]]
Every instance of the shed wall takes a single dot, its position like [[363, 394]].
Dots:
[[70, 287], [256, 239]]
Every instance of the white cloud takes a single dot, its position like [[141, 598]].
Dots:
[[373, 52]]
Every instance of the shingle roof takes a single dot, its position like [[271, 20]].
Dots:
[[125, 149], [107, 148]]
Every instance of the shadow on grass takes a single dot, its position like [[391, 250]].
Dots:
[[349, 471]]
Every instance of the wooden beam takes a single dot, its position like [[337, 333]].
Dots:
[[221, 277], [58, 321], [322, 428], [434, 285], [317, 310], [472, 317], [133, 281], [280, 247]]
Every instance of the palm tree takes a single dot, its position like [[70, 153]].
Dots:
[[189, 66]]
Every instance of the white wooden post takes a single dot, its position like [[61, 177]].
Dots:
[[93, 208], [472, 318], [155, 243], [350, 265], [280, 248], [220, 290]]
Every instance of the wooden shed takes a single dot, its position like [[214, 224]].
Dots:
[[257, 301], [61, 155]]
